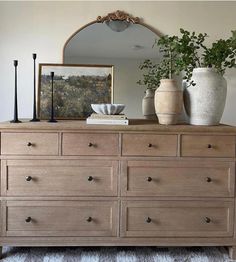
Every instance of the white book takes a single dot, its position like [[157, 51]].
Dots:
[[92, 121], [101, 116]]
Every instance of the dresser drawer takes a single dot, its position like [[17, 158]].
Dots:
[[61, 218], [177, 218], [59, 177], [178, 178], [208, 146], [29, 144], [90, 144], [149, 145]]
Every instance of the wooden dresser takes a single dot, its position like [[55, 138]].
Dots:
[[72, 184]]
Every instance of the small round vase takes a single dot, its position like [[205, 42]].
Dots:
[[168, 102], [205, 102], [148, 108]]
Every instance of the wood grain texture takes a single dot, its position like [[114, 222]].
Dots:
[[60, 178], [40, 143], [178, 178], [177, 218], [137, 125], [61, 218], [149, 145], [90, 144], [59, 197], [208, 146]]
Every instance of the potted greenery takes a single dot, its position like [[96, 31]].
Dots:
[[205, 97], [168, 96]]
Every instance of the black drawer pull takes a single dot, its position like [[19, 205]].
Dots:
[[209, 146], [207, 220], [89, 219], [28, 219], [29, 144], [90, 144], [28, 178], [148, 220], [149, 179], [90, 178], [150, 145], [208, 179]]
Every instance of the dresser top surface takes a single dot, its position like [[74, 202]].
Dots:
[[135, 125]]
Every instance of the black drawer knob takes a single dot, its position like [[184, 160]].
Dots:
[[207, 220], [90, 144], [148, 220], [29, 144], [28, 178], [149, 145], [28, 219], [208, 179], [89, 219], [149, 179], [209, 146], [90, 178]]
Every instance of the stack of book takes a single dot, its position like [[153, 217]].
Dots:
[[100, 119]]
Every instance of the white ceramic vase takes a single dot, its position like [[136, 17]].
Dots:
[[205, 102], [148, 108], [168, 102]]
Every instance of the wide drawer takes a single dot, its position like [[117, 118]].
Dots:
[[149, 145], [29, 144], [59, 177], [60, 218], [177, 218], [90, 144], [208, 146], [178, 178]]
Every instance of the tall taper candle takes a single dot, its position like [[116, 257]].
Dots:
[[34, 119], [15, 120], [52, 119]]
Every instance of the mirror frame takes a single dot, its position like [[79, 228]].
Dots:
[[114, 16]]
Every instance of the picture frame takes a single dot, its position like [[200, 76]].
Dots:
[[76, 87]]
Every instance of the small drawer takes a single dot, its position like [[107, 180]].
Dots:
[[177, 219], [90, 144], [178, 178], [61, 218], [59, 177], [29, 144], [149, 145], [208, 146]]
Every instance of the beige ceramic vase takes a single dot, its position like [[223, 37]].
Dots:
[[148, 108], [168, 102]]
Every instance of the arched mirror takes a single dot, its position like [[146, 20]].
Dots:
[[120, 40]]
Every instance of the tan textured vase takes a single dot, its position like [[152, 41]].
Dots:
[[168, 102], [148, 108]]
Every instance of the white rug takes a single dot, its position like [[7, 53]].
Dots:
[[113, 254]]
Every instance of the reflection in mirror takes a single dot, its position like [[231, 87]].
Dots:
[[124, 48]]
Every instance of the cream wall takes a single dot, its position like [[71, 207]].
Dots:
[[43, 28]]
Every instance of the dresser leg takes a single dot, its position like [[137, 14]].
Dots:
[[0, 253], [232, 252]]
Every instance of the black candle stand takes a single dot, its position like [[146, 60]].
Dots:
[[52, 119], [34, 119], [15, 120]]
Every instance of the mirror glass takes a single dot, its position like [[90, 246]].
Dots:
[[98, 44]]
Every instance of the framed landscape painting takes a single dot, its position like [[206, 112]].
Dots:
[[76, 87]]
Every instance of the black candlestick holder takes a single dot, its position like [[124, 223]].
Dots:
[[15, 120], [34, 119], [52, 119]]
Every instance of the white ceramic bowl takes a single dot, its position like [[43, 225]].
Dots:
[[108, 109]]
